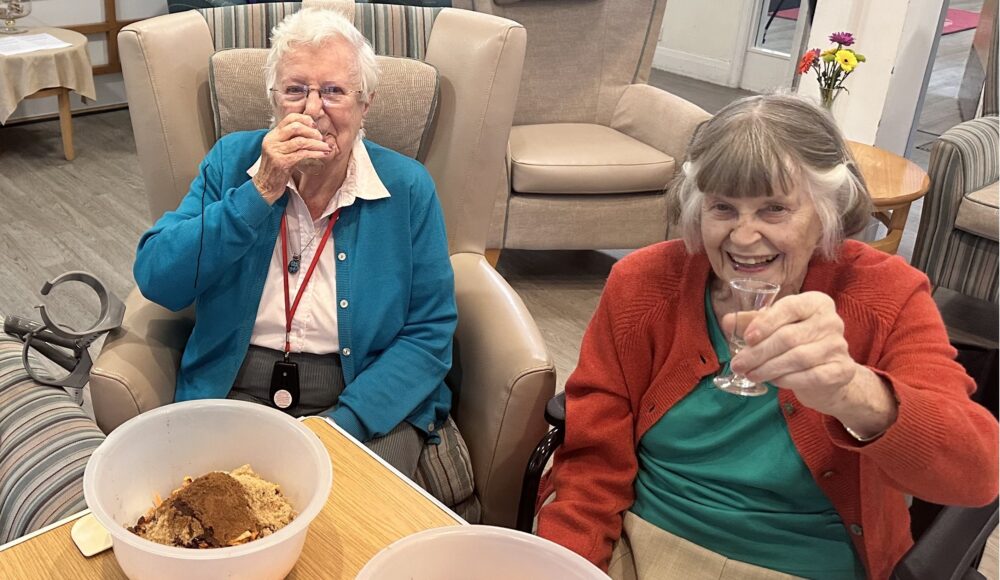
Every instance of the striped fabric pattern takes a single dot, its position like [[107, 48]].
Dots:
[[964, 159], [393, 30], [396, 30], [246, 25], [45, 442], [445, 470]]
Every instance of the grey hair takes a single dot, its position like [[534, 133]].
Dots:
[[315, 27], [765, 145]]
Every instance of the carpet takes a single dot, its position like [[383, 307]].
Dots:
[[955, 21]]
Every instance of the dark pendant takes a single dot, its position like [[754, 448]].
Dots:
[[293, 265], [284, 392]]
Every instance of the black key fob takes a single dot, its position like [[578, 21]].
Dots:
[[285, 385]]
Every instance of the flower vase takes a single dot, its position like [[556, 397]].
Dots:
[[827, 97]]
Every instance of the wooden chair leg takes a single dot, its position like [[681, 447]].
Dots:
[[66, 124], [492, 256]]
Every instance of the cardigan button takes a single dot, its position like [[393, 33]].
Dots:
[[346, 351], [789, 409], [342, 256], [430, 427], [856, 530], [828, 474], [343, 303]]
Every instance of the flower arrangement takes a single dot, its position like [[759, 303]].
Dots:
[[832, 66]]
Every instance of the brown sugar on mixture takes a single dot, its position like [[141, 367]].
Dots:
[[216, 510]]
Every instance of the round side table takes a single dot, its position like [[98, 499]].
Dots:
[[48, 73], [894, 183]]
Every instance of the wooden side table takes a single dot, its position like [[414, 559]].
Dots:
[[894, 183], [48, 73]]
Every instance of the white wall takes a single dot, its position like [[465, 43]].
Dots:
[[700, 38], [896, 37], [110, 88]]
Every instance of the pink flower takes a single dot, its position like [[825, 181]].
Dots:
[[844, 38]]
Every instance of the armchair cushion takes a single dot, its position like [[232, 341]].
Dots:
[[979, 212], [45, 442], [584, 158], [400, 116]]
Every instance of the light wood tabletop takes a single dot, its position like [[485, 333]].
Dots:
[[369, 508], [894, 183]]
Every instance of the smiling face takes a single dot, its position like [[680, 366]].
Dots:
[[332, 63], [768, 238]]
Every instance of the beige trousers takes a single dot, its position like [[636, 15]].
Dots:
[[646, 552]]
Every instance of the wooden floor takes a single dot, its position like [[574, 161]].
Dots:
[[88, 214]]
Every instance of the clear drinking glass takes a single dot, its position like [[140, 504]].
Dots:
[[310, 166], [750, 295], [10, 10]]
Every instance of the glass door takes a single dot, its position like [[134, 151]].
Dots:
[[778, 29]]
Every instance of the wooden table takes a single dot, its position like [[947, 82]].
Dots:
[[369, 508], [894, 183]]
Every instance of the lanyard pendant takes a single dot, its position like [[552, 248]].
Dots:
[[284, 393]]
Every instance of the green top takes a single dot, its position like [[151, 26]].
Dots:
[[722, 471]]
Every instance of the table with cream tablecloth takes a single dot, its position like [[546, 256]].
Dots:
[[45, 73]]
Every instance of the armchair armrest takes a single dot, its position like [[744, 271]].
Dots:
[[137, 368], [658, 119], [503, 376], [963, 160], [951, 546]]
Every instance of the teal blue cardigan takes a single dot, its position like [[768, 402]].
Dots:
[[392, 267]]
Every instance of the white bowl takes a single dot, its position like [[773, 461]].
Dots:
[[477, 553], [153, 452]]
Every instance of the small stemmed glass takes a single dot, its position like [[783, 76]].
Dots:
[[751, 295]]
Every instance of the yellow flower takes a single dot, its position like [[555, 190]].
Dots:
[[846, 60], [827, 55]]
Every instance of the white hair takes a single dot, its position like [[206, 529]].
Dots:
[[315, 27]]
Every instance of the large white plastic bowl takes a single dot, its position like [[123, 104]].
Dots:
[[153, 452], [477, 553]]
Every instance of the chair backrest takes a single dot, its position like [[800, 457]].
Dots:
[[401, 116], [478, 59], [581, 54]]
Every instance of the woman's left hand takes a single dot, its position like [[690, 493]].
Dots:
[[798, 344]]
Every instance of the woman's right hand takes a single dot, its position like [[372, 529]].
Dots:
[[293, 139]]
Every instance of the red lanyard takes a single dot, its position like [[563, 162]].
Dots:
[[290, 311]]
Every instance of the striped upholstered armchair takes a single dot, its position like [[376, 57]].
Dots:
[[45, 442], [957, 240]]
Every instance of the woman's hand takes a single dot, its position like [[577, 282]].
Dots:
[[798, 344], [293, 139]]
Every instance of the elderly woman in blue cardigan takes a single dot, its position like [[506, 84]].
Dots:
[[316, 260]]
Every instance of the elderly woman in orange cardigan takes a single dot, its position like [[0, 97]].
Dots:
[[663, 475]]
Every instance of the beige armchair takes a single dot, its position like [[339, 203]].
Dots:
[[593, 146], [503, 374]]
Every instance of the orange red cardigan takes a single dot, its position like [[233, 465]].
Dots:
[[647, 346]]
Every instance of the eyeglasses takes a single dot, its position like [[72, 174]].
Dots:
[[332, 95]]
